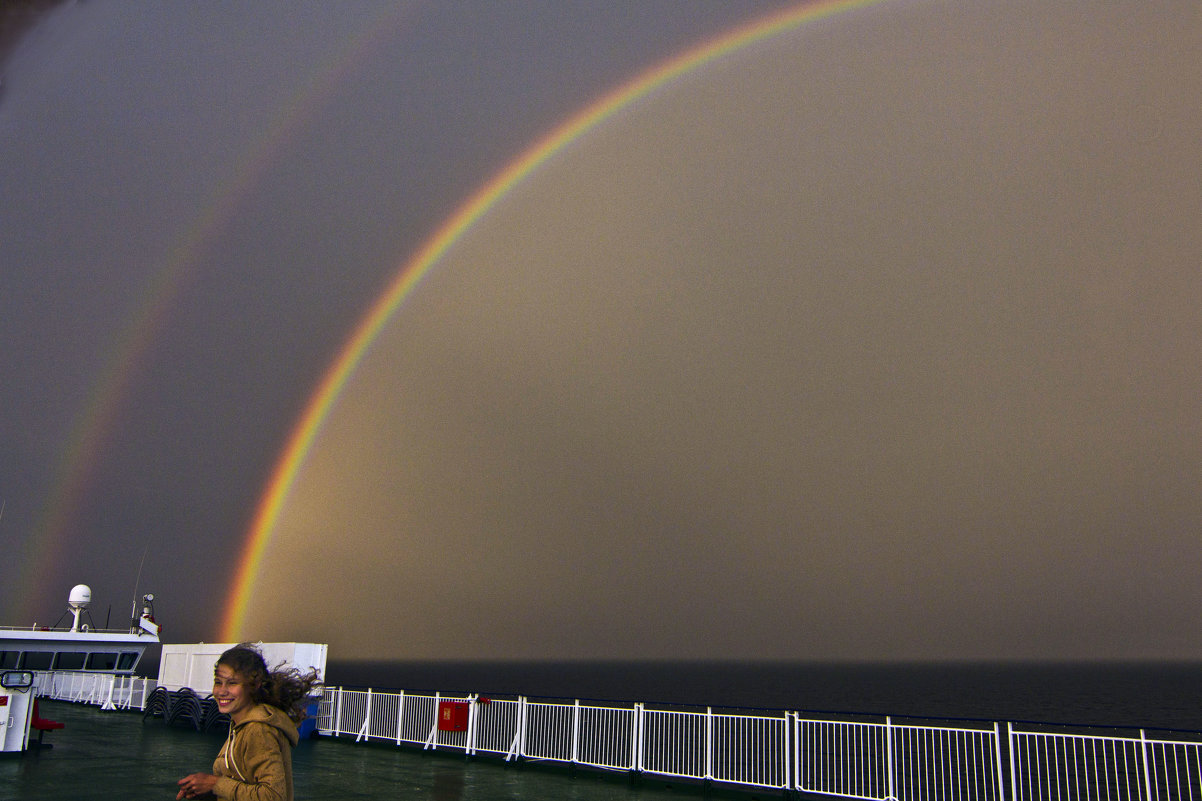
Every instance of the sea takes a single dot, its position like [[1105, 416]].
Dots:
[[1161, 696]]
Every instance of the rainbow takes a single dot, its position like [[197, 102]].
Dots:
[[76, 465], [303, 435]]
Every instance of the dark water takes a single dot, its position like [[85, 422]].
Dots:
[[1138, 695]]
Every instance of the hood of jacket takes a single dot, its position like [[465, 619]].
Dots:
[[265, 713]]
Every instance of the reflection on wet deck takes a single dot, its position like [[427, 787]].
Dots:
[[117, 755]]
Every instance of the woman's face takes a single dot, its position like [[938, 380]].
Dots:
[[232, 693]]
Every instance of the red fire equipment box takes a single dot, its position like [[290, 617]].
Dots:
[[452, 715]]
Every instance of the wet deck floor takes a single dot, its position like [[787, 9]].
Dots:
[[109, 755]]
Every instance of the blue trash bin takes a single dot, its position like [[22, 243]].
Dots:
[[308, 726]]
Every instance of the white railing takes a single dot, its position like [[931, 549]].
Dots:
[[106, 690], [86, 629], [890, 761], [1073, 767], [879, 761]]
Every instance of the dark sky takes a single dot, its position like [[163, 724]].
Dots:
[[877, 339]]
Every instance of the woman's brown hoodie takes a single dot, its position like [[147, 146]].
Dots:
[[255, 764]]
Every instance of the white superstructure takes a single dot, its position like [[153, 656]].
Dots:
[[191, 664], [81, 647]]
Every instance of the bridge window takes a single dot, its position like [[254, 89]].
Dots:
[[127, 661], [37, 660], [8, 659], [101, 661], [70, 660]]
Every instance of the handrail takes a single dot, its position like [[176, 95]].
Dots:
[[106, 690], [873, 760], [883, 760], [65, 630]]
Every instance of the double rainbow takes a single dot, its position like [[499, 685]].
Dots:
[[411, 273]]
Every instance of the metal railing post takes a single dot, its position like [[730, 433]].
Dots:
[[524, 713], [796, 762], [635, 713], [363, 730], [1013, 751], [432, 740], [517, 743], [400, 716], [108, 698], [786, 750], [575, 730], [642, 727], [997, 748], [889, 758], [1143, 752], [709, 743], [472, 711]]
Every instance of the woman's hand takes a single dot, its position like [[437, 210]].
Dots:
[[196, 785]]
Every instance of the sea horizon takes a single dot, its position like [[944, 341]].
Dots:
[[1150, 694]]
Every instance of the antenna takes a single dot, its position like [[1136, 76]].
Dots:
[[133, 606]]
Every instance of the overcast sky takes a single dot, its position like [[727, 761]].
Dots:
[[877, 339]]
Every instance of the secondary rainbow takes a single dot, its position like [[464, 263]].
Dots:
[[411, 273], [92, 428]]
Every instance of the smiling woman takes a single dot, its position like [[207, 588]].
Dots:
[[264, 707]]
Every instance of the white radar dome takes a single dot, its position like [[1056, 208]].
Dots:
[[81, 596]]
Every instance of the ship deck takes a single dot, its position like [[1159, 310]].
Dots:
[[101, 755]]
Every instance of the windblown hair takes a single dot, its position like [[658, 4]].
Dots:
[[285, 688]]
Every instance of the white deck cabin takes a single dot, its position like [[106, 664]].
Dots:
[[191, 665]]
